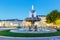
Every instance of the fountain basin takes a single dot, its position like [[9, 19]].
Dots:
[[39, 30]]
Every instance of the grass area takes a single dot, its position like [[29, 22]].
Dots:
[[7, 33]]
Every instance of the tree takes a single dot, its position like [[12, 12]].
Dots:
[[52, 16]]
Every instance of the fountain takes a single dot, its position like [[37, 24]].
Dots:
[[33, 28], [32, 19]]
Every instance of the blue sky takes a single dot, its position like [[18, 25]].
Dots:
[[19, 9]]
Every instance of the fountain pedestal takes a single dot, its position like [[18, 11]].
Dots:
[[33, 28]]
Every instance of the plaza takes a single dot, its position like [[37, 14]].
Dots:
[[29, 20], [33, 26]]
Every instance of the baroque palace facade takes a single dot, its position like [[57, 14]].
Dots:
[[10, 23], [16, 22]]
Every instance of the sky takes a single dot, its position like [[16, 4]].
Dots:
[[19, 9]]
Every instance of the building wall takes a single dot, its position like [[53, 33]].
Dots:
[[43, 19], [22, 23], [42, 22], [10, 23]]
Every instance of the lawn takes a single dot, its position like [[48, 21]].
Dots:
[[7, 33]]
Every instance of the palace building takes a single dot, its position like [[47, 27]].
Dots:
[[10, 23], [16, 22]]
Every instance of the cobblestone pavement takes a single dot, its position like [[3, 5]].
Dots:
[[36, 38]]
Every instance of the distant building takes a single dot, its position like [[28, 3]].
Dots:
[[17, 22], [10, 23], [43, 17]]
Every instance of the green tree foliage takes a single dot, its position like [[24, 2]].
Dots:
[[52, 16]]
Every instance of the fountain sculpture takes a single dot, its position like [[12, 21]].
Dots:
[[32, 19]]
